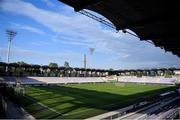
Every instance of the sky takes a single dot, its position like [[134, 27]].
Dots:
[[50, 31]]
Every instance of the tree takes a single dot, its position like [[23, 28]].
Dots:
[[111, 69], [53, 64], [21, 63], [66, 64]]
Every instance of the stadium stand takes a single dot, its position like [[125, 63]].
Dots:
[[51, 80], [66, 80], [150, 80]]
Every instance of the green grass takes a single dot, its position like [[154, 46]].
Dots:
[[84, 100]]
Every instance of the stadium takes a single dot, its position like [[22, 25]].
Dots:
[[61, 94], [36, 91]]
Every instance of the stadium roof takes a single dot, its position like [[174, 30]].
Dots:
[[156, 20]]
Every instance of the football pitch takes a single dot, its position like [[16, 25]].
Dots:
[[78, 101]]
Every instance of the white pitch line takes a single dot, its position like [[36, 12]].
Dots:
[[56, 110], [43, 105]]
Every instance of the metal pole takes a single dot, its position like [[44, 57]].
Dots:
[[8, 52], [85, 65], [85, 61]]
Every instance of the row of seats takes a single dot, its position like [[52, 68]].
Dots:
[[160, 80], [56, 80], [52, 80]]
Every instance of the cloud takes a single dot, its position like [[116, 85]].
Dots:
[[40, 43], [49, 3], [69, 40], [125, 56], [28, 28]]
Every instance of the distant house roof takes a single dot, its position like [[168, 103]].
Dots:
[[156, 20]]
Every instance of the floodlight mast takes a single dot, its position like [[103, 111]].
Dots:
[[85, 61], [10, 34]]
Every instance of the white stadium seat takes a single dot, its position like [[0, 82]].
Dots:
[[65, 80]]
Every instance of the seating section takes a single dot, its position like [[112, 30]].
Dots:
[[10, 80], [22, 80], [153, 80], [30, 80], [65, 80], [52, 80]]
